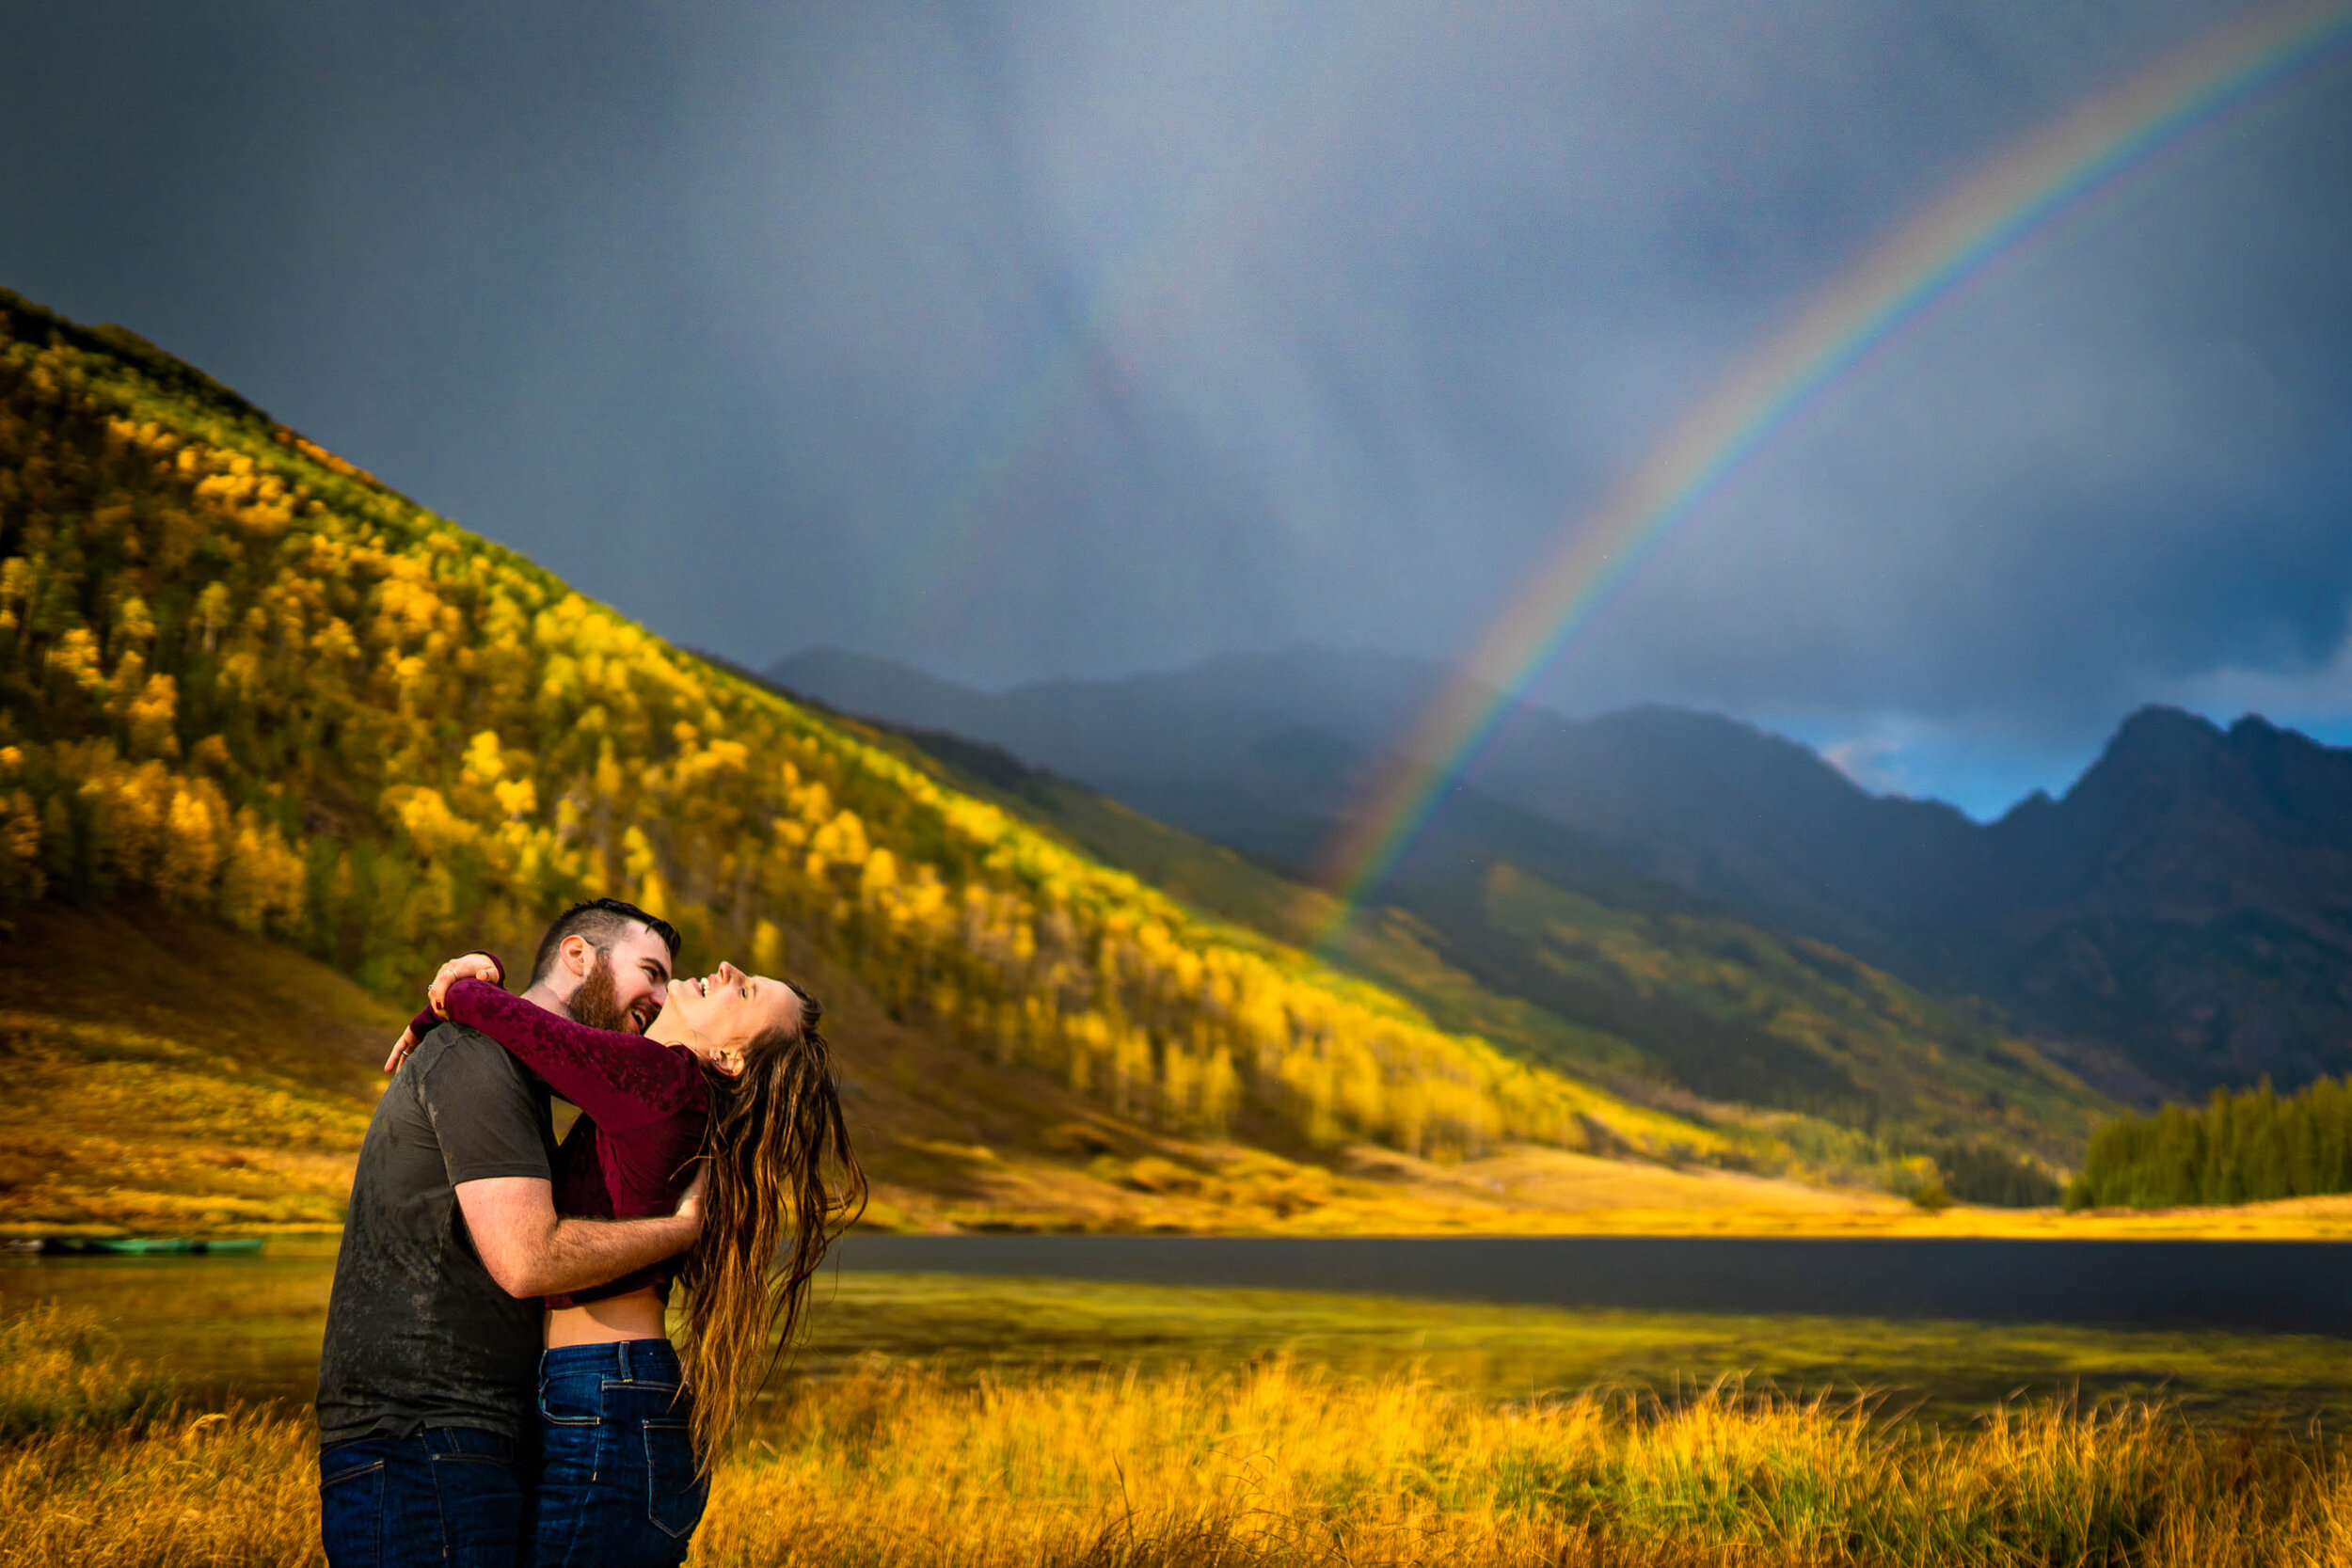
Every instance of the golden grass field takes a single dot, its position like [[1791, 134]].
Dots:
[[1276, 1462], [172, 1077]]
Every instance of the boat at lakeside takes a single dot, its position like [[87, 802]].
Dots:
[[147, 1246]]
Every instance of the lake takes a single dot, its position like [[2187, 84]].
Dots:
[[2269, 1287], [1954, 1326]]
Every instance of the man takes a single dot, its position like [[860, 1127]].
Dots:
[[428, 1375]]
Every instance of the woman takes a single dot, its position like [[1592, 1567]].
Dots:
[[733, 1072]]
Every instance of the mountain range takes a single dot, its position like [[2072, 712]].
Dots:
[[1083, 933], [2180, 918]]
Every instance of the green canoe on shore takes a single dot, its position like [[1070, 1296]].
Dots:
[[148, 1247]]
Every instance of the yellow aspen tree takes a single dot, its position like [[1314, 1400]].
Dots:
[[484, 761], [134, 628], [17, 575], [424, 815], [1133, 1069], [150, 716], [842, 838], [1179, 1080], [1219, 1091], [135, 807], [1408, 1112], [192, 848], [73, 659], [766, 949], [638, 859], [1309, 1076], [124, 686], [1087, 1036], [261, 887], [653, 896], [1359, 1092], [517, 798], [879, 882]]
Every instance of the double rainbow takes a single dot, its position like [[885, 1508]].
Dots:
[[1926, 262]]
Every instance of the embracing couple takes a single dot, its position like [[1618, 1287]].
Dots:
[[497, 1386]]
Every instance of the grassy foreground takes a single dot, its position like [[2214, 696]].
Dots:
[[1276, 1461]]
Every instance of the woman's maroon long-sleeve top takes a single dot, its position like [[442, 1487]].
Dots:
[[643, 1108]]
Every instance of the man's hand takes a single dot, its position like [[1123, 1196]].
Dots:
[[473, 966], [401, 1048]]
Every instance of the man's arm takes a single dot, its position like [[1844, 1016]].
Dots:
[[531, 1251]]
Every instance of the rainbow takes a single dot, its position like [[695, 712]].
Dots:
[[1926, 262]]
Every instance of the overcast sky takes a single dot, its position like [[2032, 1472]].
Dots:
[[1040, 340]]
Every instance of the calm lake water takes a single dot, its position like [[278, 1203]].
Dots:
[[2269, 1287], [2223, 1323]]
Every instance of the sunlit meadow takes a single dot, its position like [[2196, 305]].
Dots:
[[935, 1419]]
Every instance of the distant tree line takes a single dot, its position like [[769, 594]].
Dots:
[[1981, 1171], [2241, 1148]]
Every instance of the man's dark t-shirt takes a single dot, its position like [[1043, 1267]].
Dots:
[[418, 1332]]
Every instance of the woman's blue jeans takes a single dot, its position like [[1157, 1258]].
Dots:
[[618, 1482]]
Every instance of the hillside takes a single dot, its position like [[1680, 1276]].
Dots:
[[2171, 923], [167, 1076], [243, 682]]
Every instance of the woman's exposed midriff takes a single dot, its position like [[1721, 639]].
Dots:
[[638, 1315]]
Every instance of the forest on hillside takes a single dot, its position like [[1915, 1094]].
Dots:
[[2244, 1148], [241, 677]]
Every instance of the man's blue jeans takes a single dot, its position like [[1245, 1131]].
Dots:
[[447, 1494]]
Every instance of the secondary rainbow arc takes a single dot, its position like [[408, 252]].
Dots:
[[1925, 261]]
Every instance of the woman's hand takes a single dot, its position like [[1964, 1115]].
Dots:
[[690, 1202], [473, 966]]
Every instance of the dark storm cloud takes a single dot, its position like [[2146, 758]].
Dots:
[[1028, 340], [2124, 477]]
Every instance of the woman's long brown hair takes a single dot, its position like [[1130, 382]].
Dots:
[[783, 1186]]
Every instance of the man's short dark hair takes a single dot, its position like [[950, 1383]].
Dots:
[[602, 922]]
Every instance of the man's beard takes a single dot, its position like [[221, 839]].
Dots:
[[598, 1002]]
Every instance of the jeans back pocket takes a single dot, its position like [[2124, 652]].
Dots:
[[351, 1514], [673, 1504]]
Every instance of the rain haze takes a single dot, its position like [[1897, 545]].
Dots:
[[1037, 340]]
